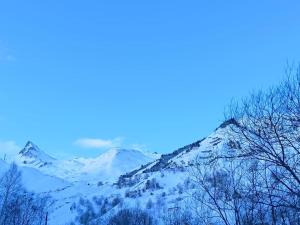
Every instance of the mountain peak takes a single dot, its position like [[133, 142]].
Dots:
[[29, 143], [130, 152], [122, 150], [29, 149], [34, 154], [231, 121]]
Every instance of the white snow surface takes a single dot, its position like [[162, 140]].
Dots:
[[66, 181]]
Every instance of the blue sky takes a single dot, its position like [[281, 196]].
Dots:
[[79, 77]]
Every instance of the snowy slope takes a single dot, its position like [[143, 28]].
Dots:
[[169, 177], [42, 184], [182, 158], [166, 181], [131, 174], [66, 181], [37, 181]]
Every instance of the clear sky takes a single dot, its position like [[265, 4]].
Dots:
[[78, 77]]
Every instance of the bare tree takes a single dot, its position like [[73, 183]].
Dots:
[[17, 206], [258, 182], [10, 186], [219, 190], [268, 129], [131, 217]]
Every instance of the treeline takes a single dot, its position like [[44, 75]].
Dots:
[[18, 206], [110, 213]]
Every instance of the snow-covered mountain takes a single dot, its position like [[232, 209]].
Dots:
[[31, 154], [108, 166], [66, 181], [170, 175], [166, 181], [134, 176], [113, 163]]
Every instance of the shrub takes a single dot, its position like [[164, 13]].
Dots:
[[131, 217]]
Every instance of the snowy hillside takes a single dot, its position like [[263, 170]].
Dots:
[[66, 181], [131, 175], [170, 175], [165, 183], [36, 181]]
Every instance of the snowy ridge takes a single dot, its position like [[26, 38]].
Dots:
[[179, 161]]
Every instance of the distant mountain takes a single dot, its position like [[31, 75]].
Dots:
[[113, 163], [108, 166], [31, 154]]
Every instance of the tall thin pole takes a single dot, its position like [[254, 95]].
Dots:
[[46, 221]]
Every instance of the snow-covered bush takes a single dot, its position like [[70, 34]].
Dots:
[[93, 212], [177, 216], [131, 217], [149, 204], [133, 193], [152, 184]]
